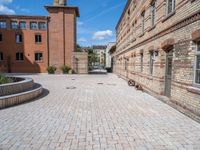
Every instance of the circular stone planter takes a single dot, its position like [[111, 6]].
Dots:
[[20, 91], [19, 85]]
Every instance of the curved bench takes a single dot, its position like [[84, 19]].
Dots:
[[20, 85], [14, 99]]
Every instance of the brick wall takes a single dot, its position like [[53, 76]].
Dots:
[[80, 62], [28, 47], [173, 30]]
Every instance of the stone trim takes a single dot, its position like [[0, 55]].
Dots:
[[167, 43], [196, 35], [193, 90]]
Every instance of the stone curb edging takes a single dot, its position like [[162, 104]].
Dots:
[[7, 101], [17, 87]]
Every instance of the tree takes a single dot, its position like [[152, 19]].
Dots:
[[92, 58]]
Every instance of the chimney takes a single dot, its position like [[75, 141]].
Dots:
[[59, 3]]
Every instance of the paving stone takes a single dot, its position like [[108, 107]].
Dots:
[[93, 117]]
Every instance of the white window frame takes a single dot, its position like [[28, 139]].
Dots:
[[3, 24], [14, 25], [143, 22], [153, 9], [151, 63], [17, 38], [20, 58], [38, 38], [173, 7], [38, 58], [141, 62], [21, 26], [197, 53]]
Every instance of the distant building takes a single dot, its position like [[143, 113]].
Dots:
[[100, 51], [108, 56], [29, 44]]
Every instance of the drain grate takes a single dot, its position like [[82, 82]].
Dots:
[[71, 87]]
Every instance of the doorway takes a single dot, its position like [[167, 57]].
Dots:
[[168, 72]]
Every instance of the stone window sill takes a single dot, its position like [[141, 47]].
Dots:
[[150, 78], [153, 27], [194, 90], [142, 34], [169, 16]]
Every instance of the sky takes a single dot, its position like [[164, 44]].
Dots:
[[95, 26]]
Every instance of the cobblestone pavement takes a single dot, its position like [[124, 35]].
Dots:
[[102, 112]]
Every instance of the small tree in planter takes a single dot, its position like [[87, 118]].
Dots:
[[51, 69], [65, 69]]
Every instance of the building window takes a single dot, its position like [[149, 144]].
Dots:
[[34, 25], [19, 56], [171, 4], [14, 25], [141, 62], [1, 37], [197, 64], [142, 21], [42, 26], [18, 38], [3, 25], [38, 38], [126, 64], [151, 62], [38, 57], [1, 56], [153, 13], [22, 25]]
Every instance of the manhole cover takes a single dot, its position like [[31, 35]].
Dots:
[[73, 79], [100, 83], [71, 87]]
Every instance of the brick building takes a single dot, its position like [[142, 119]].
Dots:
[[158, 46], [29, 44]]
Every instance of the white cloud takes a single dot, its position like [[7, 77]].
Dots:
[[22, 9], [6, 10], [101, 35], [82, 40], [80, 23], [5, 1]]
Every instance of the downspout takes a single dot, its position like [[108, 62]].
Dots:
[[64, 35], [48, 55]]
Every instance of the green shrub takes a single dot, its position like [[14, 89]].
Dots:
[[65, 69], [51, 69], [4, 79]]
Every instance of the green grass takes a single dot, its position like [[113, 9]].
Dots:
[[4, 79]]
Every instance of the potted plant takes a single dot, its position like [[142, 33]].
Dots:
[[65, 69], [51, 69]]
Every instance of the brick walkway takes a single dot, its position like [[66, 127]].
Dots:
[[101, 113]]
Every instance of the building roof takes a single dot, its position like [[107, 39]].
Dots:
[[112, 49], [99, 46], [22, 17], [124, 11]]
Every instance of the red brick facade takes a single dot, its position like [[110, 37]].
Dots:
[[42, 41]]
